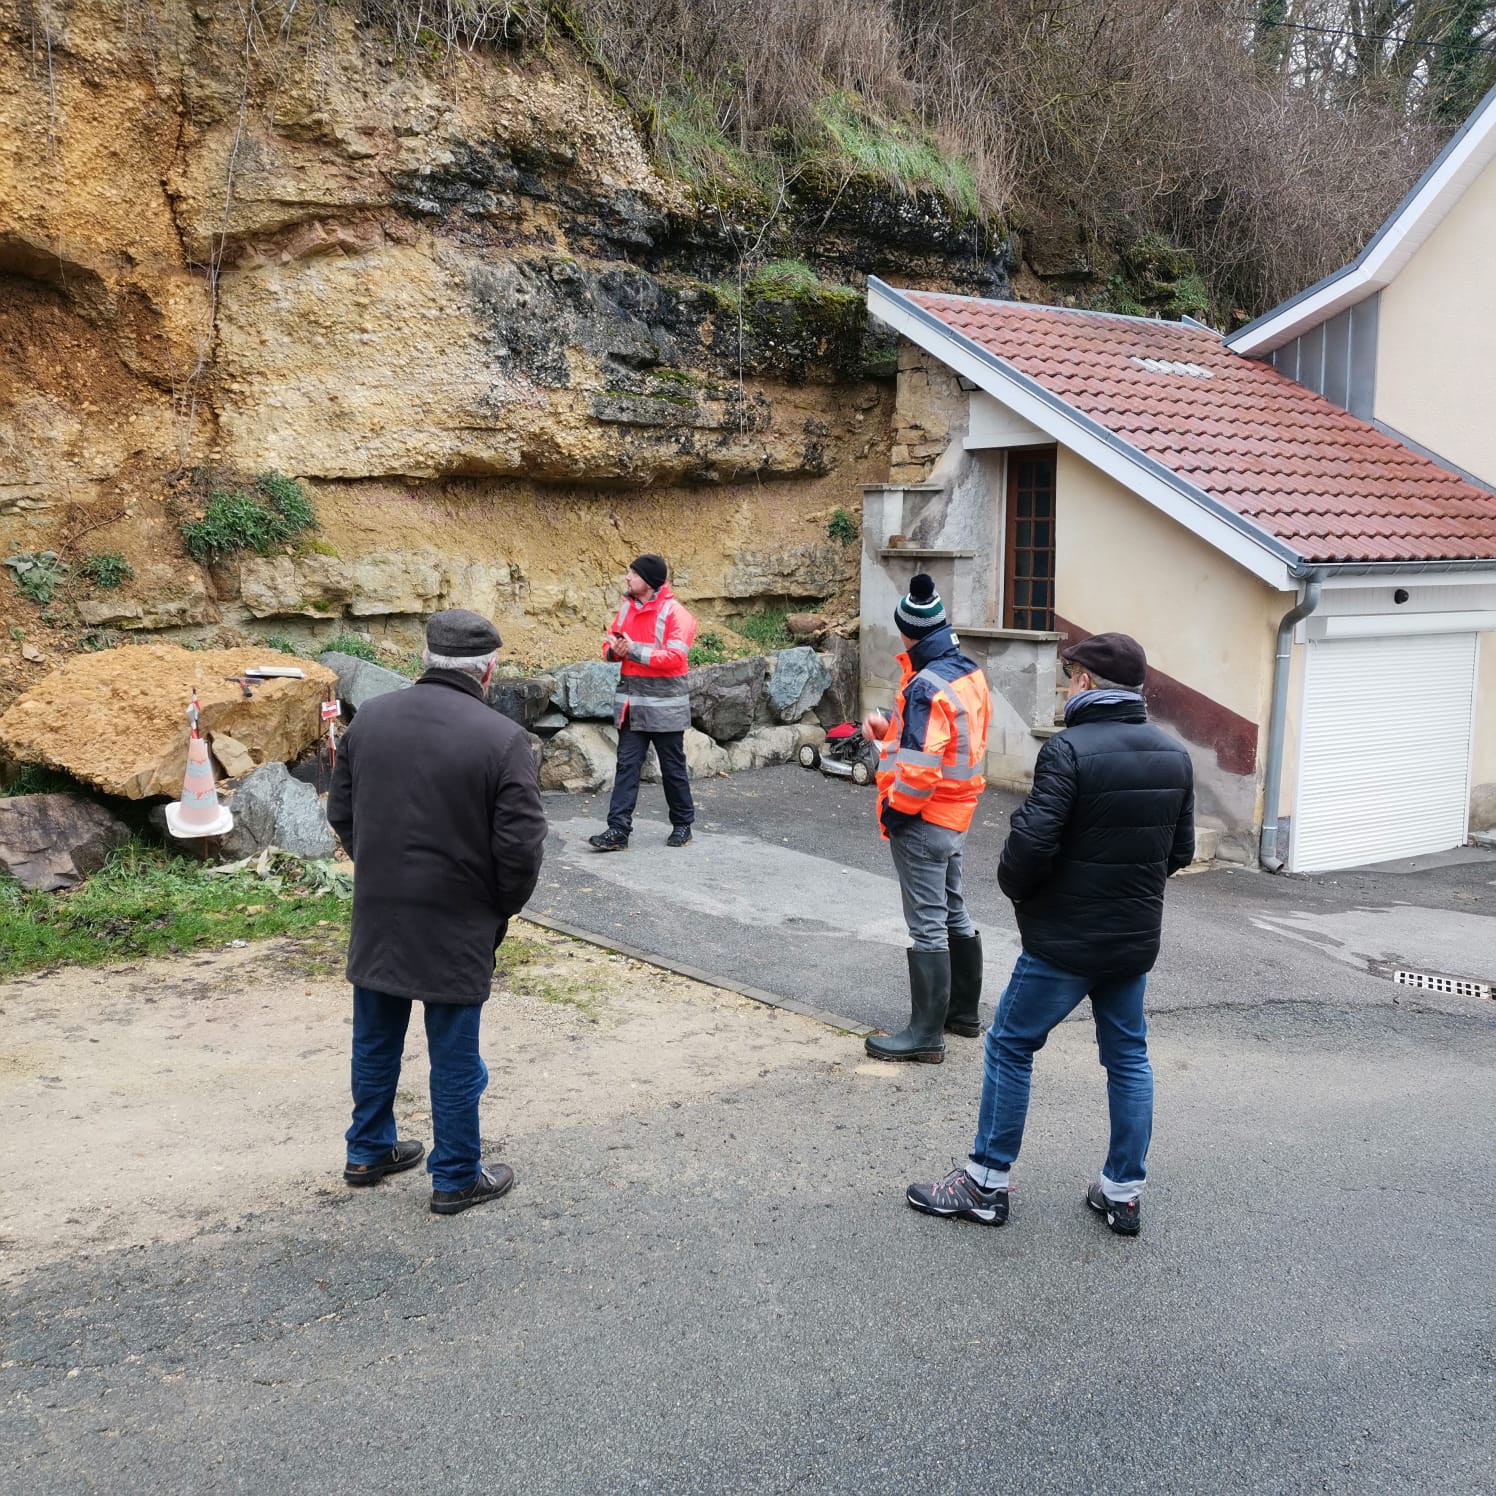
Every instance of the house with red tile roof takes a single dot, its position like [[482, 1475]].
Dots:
[[1298, 523]]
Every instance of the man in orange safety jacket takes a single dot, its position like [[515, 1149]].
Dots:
[[930, 775], [650, 634]]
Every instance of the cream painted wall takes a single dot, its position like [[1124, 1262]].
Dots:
[[1436, 338], [1122, 565]]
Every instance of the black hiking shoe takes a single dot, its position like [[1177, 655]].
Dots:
[[608, 841], [960, 1196], [679, 837], [404, 1155], [1126, 1219], [493, 1181]]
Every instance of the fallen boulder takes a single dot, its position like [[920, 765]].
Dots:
[[765, 746], [805, 625], [580, 759], [725, 697], [271, 809], [524, 700], [844, 690], [797, 681], [117, 720], [49, 842], [360, 680], [586, 690]]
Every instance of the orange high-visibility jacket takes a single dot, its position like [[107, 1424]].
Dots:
[[931, 762], [652, 693]]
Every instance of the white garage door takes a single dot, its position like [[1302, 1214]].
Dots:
[[1384, 755]]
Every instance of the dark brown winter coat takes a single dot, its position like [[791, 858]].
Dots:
[[435, 797]]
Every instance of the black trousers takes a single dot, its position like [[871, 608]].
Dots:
[[632, 746]]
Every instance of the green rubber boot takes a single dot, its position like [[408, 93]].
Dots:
[[964, 1017], [930, 996]]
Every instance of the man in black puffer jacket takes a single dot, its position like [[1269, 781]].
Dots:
[[1109, 819]]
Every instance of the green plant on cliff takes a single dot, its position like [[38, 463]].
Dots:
[[349, 643], [709, 649], [271, 511], [37, 574], [766, 628], [106, 569], [841, 527]]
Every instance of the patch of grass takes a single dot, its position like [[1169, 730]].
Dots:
[[280, 644], [273, 510], [146, 901], [106, 569], [37, 574], [709, 649], [34, 779], [848, 140], [351, 644], [93, 640], [691, 145], [841, 527], [765, 629]]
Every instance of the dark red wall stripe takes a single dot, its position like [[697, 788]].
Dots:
[[1194, 716]]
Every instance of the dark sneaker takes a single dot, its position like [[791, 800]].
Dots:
[[493, 1181], [680, 837], [608, 841], [1125, 1219], [959, 1195], [404, 1155]]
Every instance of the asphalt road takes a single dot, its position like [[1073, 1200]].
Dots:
[[729, 1294], [786, 887]]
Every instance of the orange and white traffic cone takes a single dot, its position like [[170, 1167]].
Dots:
[[198, 812]]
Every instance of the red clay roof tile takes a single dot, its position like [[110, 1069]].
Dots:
[[1298, 467]]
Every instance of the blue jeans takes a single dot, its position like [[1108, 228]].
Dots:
[[458, 1079], [1039, 996], [927, 859], [671, 750]]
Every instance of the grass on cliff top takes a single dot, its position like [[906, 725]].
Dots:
[[146, 901], [848, 141]]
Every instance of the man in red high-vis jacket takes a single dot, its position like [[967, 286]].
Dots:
[[650, 635]]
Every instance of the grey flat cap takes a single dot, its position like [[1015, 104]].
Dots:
[[460, 635]]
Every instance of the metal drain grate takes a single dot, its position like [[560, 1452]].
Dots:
[[1452, 986]]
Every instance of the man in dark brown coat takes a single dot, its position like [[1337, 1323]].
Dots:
[[436, 799]]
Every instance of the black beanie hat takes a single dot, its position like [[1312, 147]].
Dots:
[[920, 610], [651, 568]]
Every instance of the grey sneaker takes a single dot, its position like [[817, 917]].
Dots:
[[959, 1195], [1126, 1219]]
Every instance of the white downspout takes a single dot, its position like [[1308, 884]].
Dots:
[[1272, 784]]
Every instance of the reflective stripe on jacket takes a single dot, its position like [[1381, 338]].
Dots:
[[931, 763], [652, 693]]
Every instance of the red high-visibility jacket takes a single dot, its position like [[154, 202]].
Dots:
[[652, 694], [932, 761]]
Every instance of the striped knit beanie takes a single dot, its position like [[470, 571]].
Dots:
[[920, 610]]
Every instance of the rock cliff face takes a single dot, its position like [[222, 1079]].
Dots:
[[456, 301]]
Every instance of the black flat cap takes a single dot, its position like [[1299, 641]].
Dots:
[[459, 634], [1117, 657]]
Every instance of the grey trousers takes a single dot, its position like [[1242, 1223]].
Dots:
[[928, 861]]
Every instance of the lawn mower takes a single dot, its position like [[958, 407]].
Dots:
[[847, 754]]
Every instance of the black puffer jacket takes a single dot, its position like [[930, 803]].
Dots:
[[1110, 817]]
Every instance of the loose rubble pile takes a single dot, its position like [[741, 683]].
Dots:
[[114, 722]]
